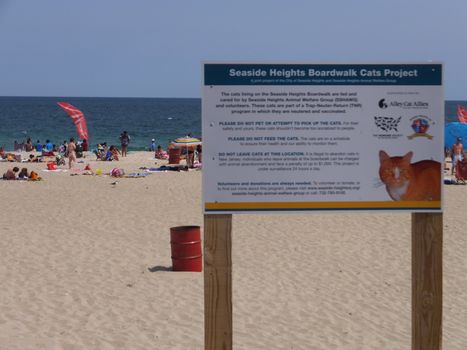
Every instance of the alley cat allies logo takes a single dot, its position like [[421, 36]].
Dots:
[[420, 124], [382, 104]]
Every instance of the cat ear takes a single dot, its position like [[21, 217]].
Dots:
[[408, 156], [383, 156]]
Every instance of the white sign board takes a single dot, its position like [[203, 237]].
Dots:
[[293, 137]]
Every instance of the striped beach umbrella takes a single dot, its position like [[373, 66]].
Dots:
[[188, 142]]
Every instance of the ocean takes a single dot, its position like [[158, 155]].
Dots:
[[40, 118], [164, 119]]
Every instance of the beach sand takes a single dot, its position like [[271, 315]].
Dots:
[[85, 264]]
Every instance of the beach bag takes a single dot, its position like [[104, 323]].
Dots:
[[117, 172], [51, 166]]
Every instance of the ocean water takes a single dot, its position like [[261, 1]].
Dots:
[[40, 118], [164, 119]]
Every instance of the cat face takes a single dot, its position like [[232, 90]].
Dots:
[[395, 171]]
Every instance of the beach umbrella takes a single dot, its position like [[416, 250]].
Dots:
[[454, 130], [186, 142]]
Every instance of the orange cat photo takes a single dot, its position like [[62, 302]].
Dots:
[[406, 181]]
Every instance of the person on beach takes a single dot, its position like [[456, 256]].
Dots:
[[62, 148], [115, 152], [11, 174], [29, 147], [199, 152], [85, 145], [48, 146], [160, 153], [124, 140], [457, 153], [23, 174], [152, 147], [38, 146], [71, 152], [190, 158], [33, 158]]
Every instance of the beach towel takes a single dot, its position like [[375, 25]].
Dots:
[[55, 171], [137, 175]]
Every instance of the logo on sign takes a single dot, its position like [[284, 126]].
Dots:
[[387, 123], [382, 104], [420, 125]]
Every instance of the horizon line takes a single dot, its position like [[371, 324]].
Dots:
[[141, 97], [50, 96]]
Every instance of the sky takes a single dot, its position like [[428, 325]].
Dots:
[[153, 48]]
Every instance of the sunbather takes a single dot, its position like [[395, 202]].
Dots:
[[11, 174], [160, 153], [23, 174]]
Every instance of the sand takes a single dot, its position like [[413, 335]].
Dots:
[[85, 264]]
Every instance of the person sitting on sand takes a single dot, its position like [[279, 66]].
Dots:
[[23, 174], [63, 148], [29, 146], [115, 152], [48, 146], [11, 174], [2, 153], [160, 153], [33, 158], [38, 146], [108, 155]]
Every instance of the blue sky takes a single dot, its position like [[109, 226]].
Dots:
[[152, 48]]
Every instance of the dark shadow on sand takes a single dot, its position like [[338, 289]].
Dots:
[[159, 268]]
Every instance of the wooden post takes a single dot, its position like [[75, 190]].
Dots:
[[427, 280], [217, 282]]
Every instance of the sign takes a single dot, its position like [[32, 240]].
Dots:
[[294, 137]]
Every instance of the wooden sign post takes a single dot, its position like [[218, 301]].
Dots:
[[217, 282], [427, 280]]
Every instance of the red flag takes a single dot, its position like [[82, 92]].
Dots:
[[78, 119], [462, 114]]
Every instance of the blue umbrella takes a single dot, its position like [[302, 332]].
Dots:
[[454, 130]]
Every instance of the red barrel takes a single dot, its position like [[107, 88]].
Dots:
[[185, 242], [174, 155]]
